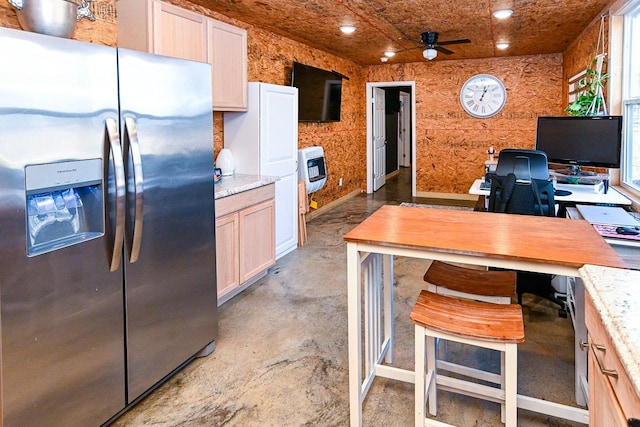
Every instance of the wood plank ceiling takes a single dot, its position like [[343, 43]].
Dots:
[[536, 26]]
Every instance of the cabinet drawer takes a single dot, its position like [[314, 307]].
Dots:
[[245, 199], [605, 356]]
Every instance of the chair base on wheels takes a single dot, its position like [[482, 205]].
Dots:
[[488, 325]]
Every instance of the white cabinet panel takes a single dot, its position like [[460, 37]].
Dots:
[[264, 141]]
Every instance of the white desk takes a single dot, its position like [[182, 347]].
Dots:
[[580, 193], [514, 242]]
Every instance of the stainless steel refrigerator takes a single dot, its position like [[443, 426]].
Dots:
[[107, 245]]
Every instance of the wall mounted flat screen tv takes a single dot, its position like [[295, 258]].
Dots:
[[319, 93], [581, 141]]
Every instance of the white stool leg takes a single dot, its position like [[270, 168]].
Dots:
[[511, 384], [432, 371], [420, 377], [503, 414]]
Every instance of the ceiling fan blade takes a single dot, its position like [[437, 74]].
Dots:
[[442, 49], [459, 41], [410, 48]]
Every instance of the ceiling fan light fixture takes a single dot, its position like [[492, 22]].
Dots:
[[502, 13], [429, 54], [502, 45], [389, 54], [384, 59], [347, 29]]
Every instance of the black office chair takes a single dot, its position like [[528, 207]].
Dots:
[[526, 190], [524, 164], [524, 197]]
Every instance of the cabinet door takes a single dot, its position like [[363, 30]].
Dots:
[[279, 157], [604, 409], [257, 243], [227, 251], [227, 53], [178, 33]]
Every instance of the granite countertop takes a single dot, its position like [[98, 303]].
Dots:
[[237, 183], [616, 296]]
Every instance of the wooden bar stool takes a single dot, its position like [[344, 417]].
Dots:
[[481, 285], [483, 324]]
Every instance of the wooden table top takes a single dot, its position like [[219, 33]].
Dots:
[[559, 241]]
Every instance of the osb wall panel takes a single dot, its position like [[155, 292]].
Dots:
[[270, 58], [451, 146], [101, 31]]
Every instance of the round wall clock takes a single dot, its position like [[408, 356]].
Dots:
[[483, 95]]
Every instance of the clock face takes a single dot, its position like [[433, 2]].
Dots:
[[483, 95]]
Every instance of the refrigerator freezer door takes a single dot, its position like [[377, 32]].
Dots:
[[61, 311], [171, 305]]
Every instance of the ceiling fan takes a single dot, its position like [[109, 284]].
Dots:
[[433, 46]]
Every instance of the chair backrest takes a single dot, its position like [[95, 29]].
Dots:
[[524, 164], [532, 197]]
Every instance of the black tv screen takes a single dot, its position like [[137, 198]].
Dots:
[[319, 93], [581, 141]]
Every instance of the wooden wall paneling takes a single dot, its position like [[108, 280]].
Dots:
[[451, 145], [270, 57]]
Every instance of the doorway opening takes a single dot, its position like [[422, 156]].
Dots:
[[391, 132]]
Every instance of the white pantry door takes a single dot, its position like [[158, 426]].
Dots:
[[279, 157], [379, 139]]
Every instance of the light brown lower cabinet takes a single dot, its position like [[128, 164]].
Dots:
[[612, 398], [245, 239]]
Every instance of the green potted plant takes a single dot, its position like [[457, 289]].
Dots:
[[590, 100]]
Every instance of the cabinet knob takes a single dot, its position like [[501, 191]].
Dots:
[[584, 345]]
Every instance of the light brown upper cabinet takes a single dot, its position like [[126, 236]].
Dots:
[[227, 53], [164, 29]]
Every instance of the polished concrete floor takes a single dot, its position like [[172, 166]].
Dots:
[[281, 357]]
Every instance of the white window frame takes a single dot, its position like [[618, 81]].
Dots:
[[631, 10]]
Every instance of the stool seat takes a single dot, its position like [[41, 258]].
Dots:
[[466, 318]]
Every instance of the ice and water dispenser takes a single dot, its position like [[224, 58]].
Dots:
[[64, 204], [311, 168]]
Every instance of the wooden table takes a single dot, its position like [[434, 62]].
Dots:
[[529, 243]]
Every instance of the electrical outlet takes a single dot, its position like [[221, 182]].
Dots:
[[340, 182]]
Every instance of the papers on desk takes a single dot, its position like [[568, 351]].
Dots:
[[606, 220], [610, 232]]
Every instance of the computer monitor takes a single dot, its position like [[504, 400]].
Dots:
[[581, 141]]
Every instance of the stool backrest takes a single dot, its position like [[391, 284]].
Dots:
[[483, 285]]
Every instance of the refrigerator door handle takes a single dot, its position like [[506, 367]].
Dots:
[[120, 188], [136, 160]]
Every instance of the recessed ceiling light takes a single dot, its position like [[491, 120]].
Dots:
[[347, 29], [503, 13], [502, 45], [384, 59], [389, 53]]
